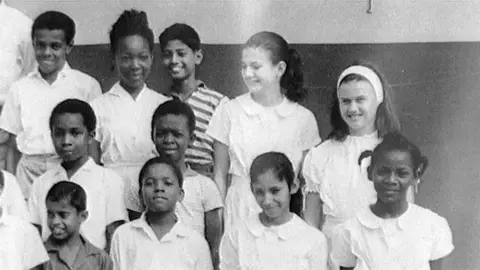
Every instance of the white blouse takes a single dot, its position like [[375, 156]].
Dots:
[[293, 245], [411, 241]]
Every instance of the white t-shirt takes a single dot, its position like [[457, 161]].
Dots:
[[105, 199], [411, 241], [293, 245], [11, 198]]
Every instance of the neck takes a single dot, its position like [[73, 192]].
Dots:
[[162, 219], [182, 165], [267, 221], [362, 132], [134, 92], [50, 77], [184, 88], [389, 210], [72, 166], [72, 242], [268, 97]]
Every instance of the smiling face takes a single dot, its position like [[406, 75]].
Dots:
[[51, 51], [160, 189], [172, 137], [358, 106], [70, 136], [133, 62], [392, 174], [63, 219], [180, 60], [258, 71]]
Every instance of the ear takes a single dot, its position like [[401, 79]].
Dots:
[[295, 186], [69, 47], [421, 167], [198, 56], [182, 195], [192, 139], [83, 216], [370, 172], [91, 136], [281, 68]]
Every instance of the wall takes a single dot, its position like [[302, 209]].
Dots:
[[428, 50]]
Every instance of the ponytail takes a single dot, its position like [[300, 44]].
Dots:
[[292, 79]]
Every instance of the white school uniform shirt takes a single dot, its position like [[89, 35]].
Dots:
[[293, 245], [11, 197], [201, 196], [136, 247], [105, 200], [124, 133], [31, 101], [16, 49], [409, 242], [21, 248]]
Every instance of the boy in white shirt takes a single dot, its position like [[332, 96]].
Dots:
[[173, 125], [73, 127], [31, 99]]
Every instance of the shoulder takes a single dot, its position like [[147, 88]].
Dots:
[[83, 77], [194, 239], [108, 175], [325, 148], [312, 234], [209, 92], [427, 217], [24, 228], [45, 181], [160, 97], [127, 230]]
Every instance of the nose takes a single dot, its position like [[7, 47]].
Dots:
[[47, 51], [168, 138], [159, 186], [353, 106], [268, 199], [67, 139], [247, 72], [390, 178], [135, 63], [175, 58], [56, 220]]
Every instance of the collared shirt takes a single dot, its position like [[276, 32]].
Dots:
[[201, 196], [11, 198], [411, 241], [250, 129], [89, 257], [20, 245], [31, 101], [105, 199], [16, 49], [135, 246], [293, 245], [204, 103]]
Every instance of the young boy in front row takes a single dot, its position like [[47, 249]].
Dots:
[[72, 126], [67, 248], [31, 99], [158, 239], [173, 125]]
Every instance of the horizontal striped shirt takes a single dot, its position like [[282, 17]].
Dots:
[[204, 102]]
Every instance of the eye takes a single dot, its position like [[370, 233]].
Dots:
[[274, 190], [345, 101], [56, 46], [144, 57], [182, 53], [50, 215]]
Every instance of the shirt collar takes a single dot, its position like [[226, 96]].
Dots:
[[372, 221], [119, 91], [285, 231], [200, 84], [189, 172], [61, 74], [251, 107], [178, 230], [87, 167], [87, 246]]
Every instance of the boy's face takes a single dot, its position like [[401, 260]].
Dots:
[[63, 220], [51, 50], [70, 136], [160, 188], [180, 60], [172, 136]]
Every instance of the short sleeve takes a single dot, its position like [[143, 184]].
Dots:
[[106, 262], [10, 118], [27, 54], [310, 134], [34, 252], [115, 250], [211, 195], [98, 129], [204, 259], [443, 240], [341, 248], [95, 90], [15, 204], [318, 256], [229, 259], [312, 173], [219, 126], [115, 206]]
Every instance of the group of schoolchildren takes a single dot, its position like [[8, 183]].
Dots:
[[134, 179]]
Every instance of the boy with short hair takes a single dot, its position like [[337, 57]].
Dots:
[[173, 125], [66, 207], [181, 53], [72, 126], [32, 98]]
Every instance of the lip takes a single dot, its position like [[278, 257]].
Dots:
[[160, 198]]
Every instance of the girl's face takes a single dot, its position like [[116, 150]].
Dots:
[[273, 196], [258, 71], [392, 174], [358, 106], [160, 188], [133, 62]]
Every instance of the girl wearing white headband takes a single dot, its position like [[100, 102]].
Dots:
[[336, 186]]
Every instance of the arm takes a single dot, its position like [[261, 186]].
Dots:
[[318, 257], [228, 252], [95, 151], [13, 155], [221, 166], [4, 147], [313, 213], [109, 232], [213, 232]]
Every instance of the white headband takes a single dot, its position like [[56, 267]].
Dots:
[[369, 74]]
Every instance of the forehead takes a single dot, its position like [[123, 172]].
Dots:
[[172, 121], [160, 171], [51, 36], [176, 44], [395, 158], [69, 120], [256, 54], [356, 88], [133, 43], [268, 179], [62, 205]]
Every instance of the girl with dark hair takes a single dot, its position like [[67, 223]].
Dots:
[[268, 118]]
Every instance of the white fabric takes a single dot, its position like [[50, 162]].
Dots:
[[20, 247], [124, 133], [136, 247], [16, 49], [408, 242], [369, 74], [31, 101], [105, 199], [250, 129], [293, 245], [201, 196], [11, 198]]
